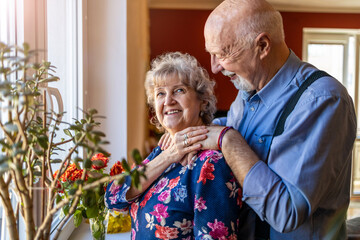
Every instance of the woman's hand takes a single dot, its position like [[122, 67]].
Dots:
[[165, 141], [184, 144]]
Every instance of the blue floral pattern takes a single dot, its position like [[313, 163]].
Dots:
[[199, 201]]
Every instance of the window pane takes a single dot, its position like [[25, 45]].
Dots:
[[328, 57]]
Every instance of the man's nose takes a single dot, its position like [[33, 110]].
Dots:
[[215, 65]]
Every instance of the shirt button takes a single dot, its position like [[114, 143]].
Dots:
[[260, 140], [252, 109]]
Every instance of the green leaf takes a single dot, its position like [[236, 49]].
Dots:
[[136, 179], [125, 165], [75, 127], [98, 133], [58, 198], [72, 191], [50, 79], [43, 141], [87, 163], [136, 156], [66, 209], [92, 212], [67, 132], [98, 163], [77, 218], [57, 160], [83, 213], [92, 111], [89, 199]]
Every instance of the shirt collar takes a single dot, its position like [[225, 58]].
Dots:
[[282, 79]]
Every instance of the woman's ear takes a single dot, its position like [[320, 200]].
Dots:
[[263, 44]]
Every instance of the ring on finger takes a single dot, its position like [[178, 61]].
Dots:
[[185, 136], [186, 143]]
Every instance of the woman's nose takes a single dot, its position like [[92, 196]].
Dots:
[[169, 99], [215, 65]]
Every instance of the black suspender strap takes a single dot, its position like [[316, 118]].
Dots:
[[294, 99], [262, 228]]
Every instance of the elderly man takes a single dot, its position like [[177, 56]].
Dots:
[[292, 155]]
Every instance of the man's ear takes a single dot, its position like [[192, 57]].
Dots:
[[263, 43]]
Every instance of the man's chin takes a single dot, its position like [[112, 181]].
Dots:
[[242, 84]]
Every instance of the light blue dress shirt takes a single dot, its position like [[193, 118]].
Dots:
[[303, 190]]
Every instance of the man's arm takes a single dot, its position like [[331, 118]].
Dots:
[[238, 154]]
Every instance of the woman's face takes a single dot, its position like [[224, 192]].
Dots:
[[176, 105]]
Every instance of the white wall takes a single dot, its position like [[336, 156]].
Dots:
[[106, 55]]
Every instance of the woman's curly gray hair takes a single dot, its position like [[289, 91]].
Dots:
[[190, 73]]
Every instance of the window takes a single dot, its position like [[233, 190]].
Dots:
[[337, 52], [53, 26]]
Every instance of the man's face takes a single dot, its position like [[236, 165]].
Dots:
[[234, 61], [239, 70]]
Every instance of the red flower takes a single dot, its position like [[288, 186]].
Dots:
[[116, 169], [58, 185], [206, 172], [76, 175], [71, 173], [100, 160], [68, 173]]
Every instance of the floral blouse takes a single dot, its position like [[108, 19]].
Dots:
[[199, 201]]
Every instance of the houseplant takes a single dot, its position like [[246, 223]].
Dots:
[[30, 152]]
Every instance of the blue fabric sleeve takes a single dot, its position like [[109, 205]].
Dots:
[[220, 121]]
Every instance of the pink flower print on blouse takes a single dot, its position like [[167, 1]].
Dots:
[[164, 196], [134, 209], [113, 199], [186, 226], [133, 234], [206, 172], [166, 233], [173, 182], [145, 161], [114, 188], [213, 155], [161, 185], [160, 212], [218, 230], [200, 204]]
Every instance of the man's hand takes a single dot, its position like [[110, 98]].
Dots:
[[211, 142]]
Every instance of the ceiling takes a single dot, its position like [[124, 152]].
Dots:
[[344, 6]]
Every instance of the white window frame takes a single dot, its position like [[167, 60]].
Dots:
[[26, 21]]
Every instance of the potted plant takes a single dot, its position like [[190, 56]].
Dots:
[[30, 152]]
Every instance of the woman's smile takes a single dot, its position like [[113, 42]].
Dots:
[[176, 105]]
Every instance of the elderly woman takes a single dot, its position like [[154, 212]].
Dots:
[[201, 200]]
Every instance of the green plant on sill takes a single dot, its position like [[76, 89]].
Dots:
[[29, 151]]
